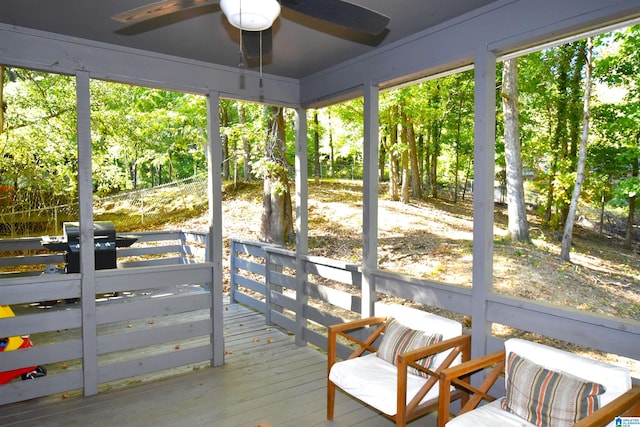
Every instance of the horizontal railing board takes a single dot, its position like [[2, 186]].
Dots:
[[27, 324], [250, 302], [45, 386], [333, 273], [177, 358], [281, 279], [151, 262], [333, 296], [148, 250], [322, 317], [31, 260], [139, 309], [283, 301], [152, 277], [250, 266], [282, 321], [315, 338], [582, 328], [284, 260], [250, 284], [449, 297], [46, 287], [40, 355], [154, 236], [196, 237], [140, 338], [20, 244], [249, 248], [329, 262]]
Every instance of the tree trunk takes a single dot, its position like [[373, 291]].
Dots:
[[316, 146], [394, 190], [382, 156], [436, 132], [277, 214], [246, 145], [582, 159], [518, 227], [224, 122], [416, 189], [405, 162], [628, 238]]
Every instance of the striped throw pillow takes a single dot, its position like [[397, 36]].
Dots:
[[398, 339], [547, 398]]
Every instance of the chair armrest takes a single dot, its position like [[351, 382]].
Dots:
[[341, 329], [460, 345], [355, 324], [472, 366], [459, 377], [627, 404], [410, 357]]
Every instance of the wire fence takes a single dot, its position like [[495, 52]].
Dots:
[[126, 209]]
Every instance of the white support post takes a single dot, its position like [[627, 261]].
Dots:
[[484, 171], [302, 221], [87, 257], [214, 244], [370, 199]]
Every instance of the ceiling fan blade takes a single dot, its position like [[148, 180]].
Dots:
[[341, 13], [158, 9], [251, 43]]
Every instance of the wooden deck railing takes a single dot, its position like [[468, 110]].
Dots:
[[331, 294], [166, 327], [157, 314]]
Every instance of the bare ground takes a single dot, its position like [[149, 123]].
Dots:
[[433, 239]]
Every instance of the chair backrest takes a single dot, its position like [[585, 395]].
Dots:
[[424, 321], [616, 379]]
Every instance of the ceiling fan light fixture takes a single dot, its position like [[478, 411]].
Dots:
[[251, 15]]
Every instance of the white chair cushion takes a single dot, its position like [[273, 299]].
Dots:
[[489, 415], [375, 382]]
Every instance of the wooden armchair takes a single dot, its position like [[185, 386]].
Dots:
[[403, 385], [522, 362]]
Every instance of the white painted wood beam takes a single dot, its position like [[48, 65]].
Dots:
[[370, 198], [484, 172], [214, 244], [302, 220], [87, 256]]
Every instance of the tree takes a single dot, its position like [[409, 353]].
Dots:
[[518, 227], [622, 69], [277, 214], [317, 172], [582, 156]]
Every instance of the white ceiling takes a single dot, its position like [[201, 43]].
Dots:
[[301, 45]]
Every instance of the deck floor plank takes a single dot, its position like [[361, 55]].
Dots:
[[266, 379]]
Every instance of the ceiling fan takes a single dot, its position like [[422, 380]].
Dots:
[[254, 18]]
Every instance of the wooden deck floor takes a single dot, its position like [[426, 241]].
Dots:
[[266, 379]]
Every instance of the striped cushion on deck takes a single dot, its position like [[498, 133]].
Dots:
[[547, 398], [399, 339]]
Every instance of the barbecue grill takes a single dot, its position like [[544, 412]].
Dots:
[[105, 244]]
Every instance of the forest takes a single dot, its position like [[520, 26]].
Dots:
[[143, 137]]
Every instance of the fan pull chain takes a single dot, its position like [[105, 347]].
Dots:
[[240, 55], [261, 59]]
